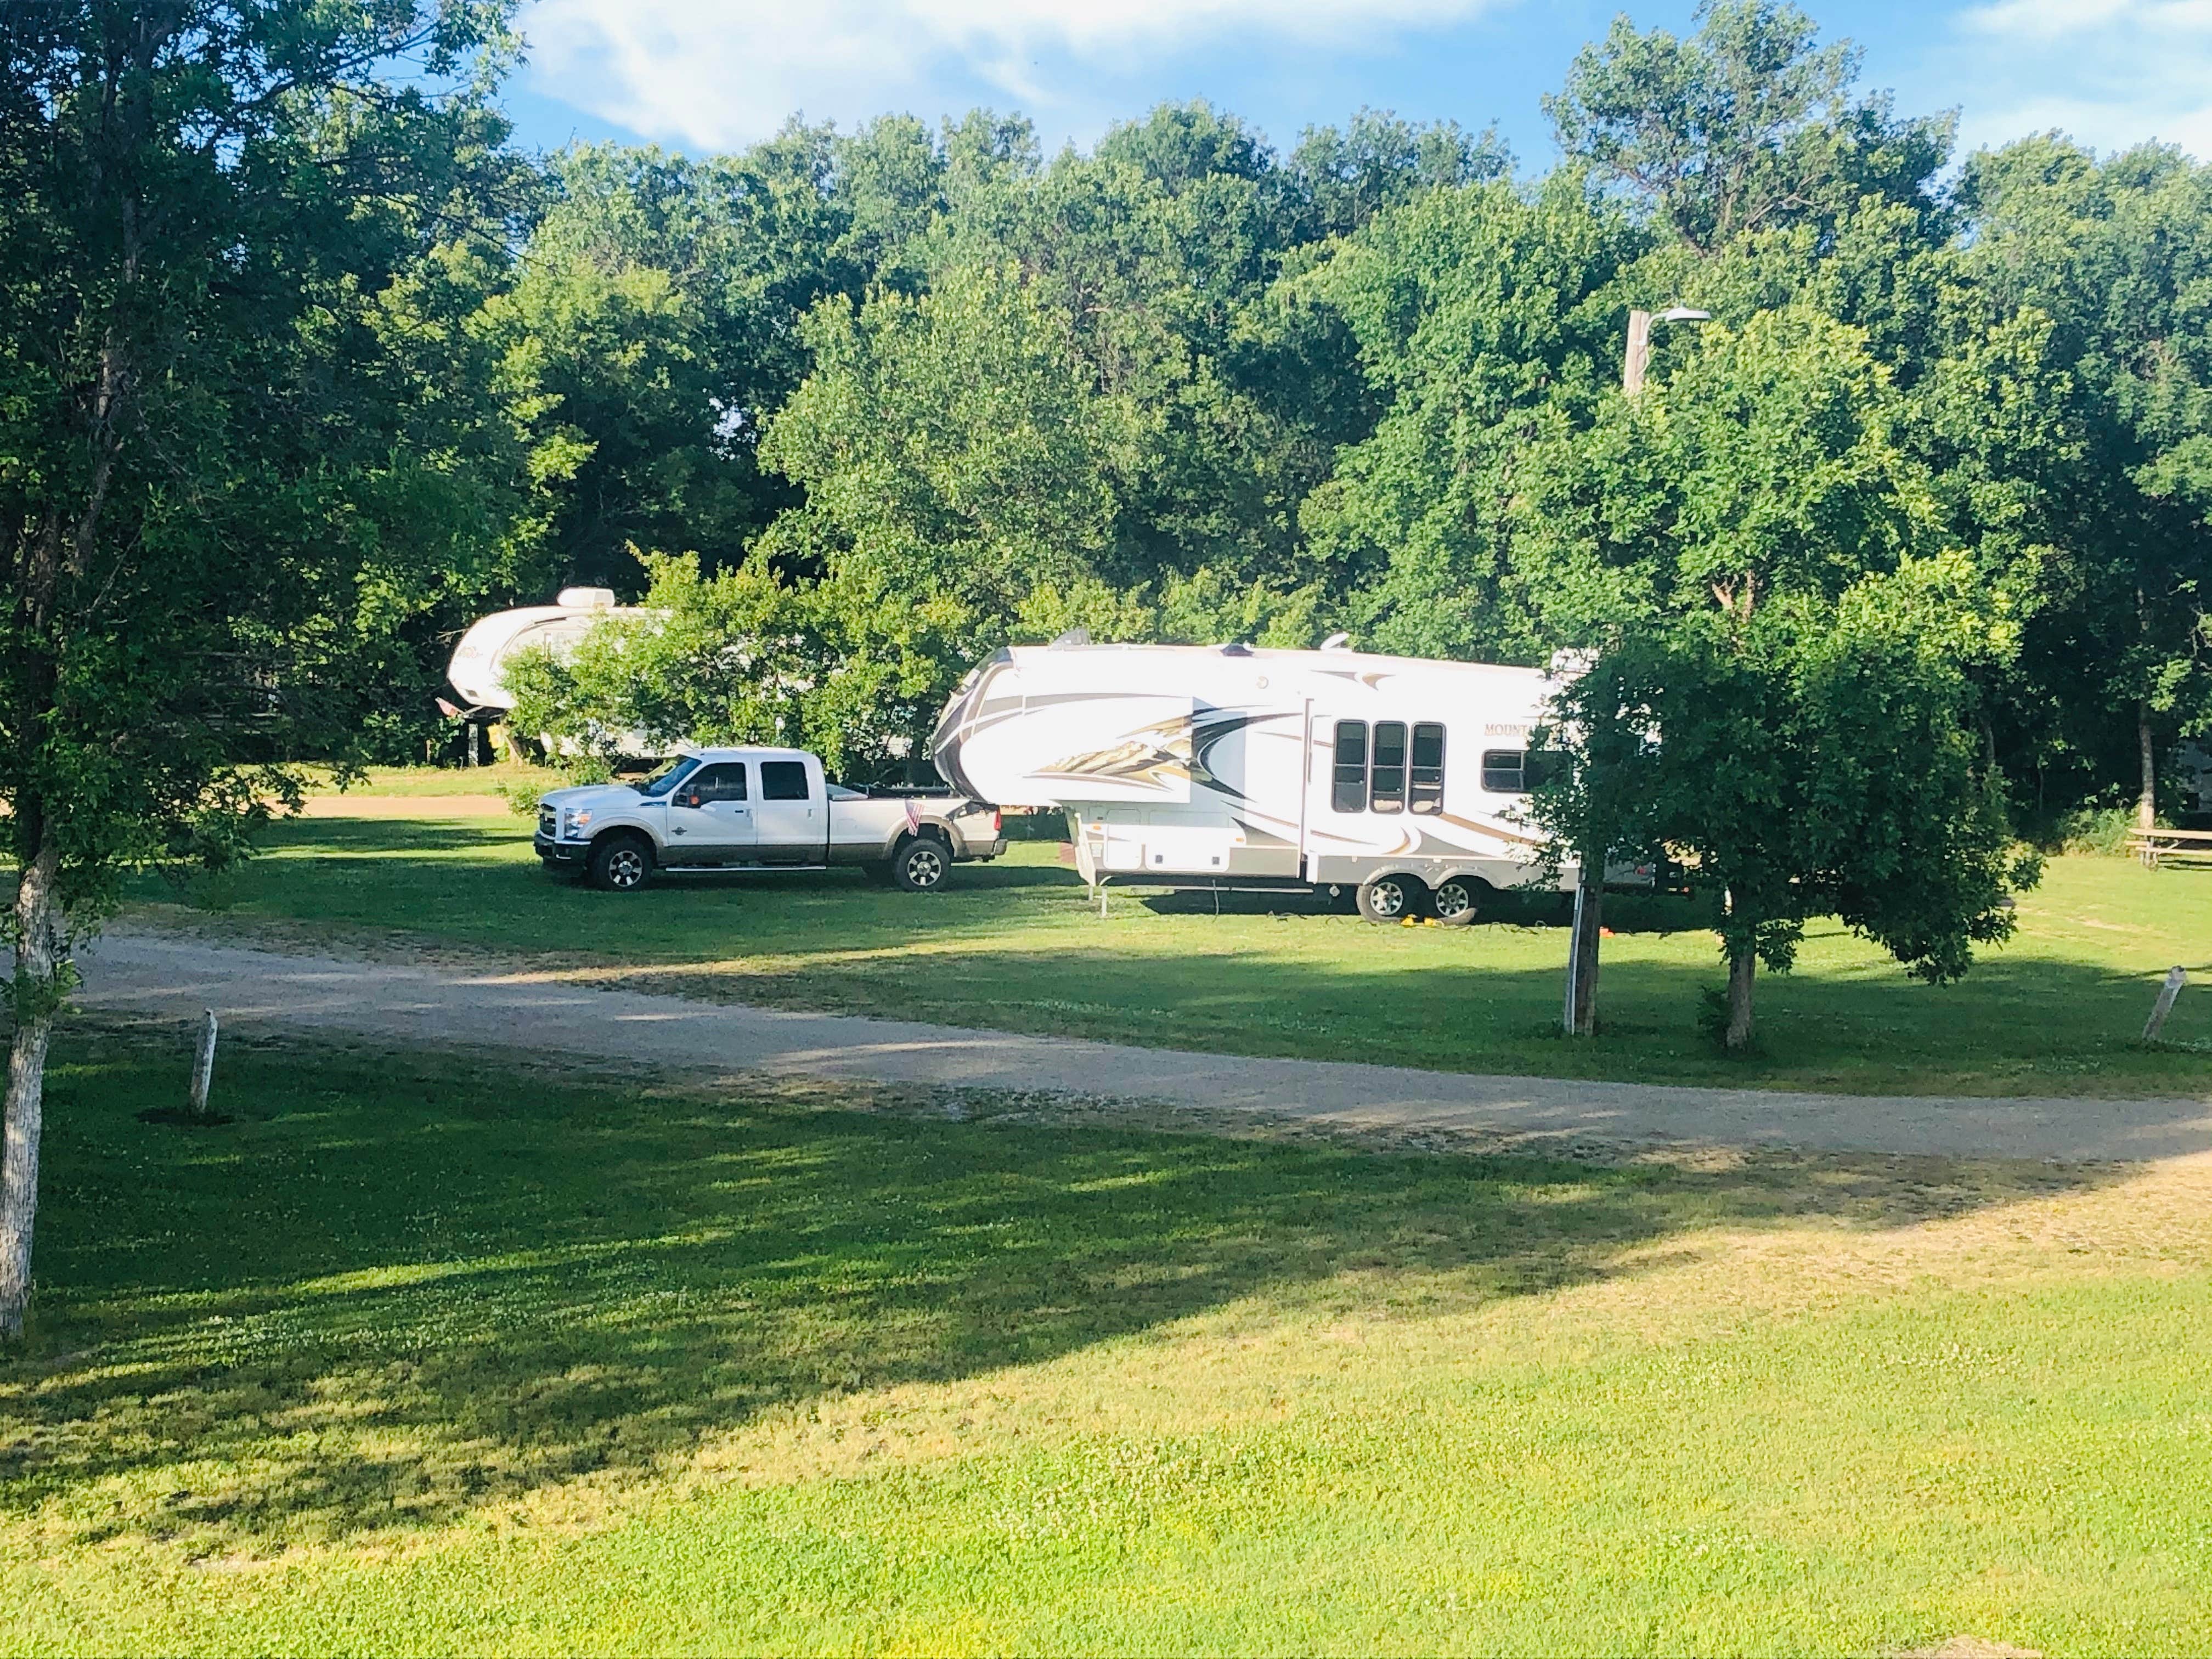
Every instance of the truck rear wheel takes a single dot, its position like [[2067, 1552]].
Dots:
[[620, 864], [921, 865], [1390, 898], [1456, 899]]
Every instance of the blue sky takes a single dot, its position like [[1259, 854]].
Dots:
[[706, 74]]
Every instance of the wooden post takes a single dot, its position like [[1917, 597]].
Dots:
[[2175, 979], [1637, 357], [204, 1068]]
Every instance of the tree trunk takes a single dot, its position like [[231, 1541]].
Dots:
[[1589, 925], [2146, 752], [38, 962], [1743, 963]]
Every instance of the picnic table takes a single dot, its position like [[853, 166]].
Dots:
[[2184, 847]]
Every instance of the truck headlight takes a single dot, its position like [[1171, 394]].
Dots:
[[577, 823]]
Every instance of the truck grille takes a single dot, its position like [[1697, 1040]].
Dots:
[[549, 822]]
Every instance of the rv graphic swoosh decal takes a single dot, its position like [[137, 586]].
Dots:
[[1175, 751], [1152, 757], [974, 711], [1209, 729]]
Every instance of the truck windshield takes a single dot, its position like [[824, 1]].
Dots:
[[668, 776]]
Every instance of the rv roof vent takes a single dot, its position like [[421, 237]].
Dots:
[[1073, 636], [1236, 650], [586, 598], [1337, 643]]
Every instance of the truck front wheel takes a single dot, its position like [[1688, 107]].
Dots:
[[921, 865], [620, 864]]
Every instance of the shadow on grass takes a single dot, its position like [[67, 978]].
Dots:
[[1625, 913], [399, 1289]]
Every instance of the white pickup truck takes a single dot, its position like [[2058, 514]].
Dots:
[[757, 809]]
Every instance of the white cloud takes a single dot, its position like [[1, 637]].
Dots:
[[2109, 72], [716, 73]]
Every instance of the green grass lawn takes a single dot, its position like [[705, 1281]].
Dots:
[[429, 782], [424, 1355], [1014, 946]]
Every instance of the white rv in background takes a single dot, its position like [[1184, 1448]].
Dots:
[[1234, 767], [478, 670]]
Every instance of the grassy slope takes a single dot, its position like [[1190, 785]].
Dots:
[[1013, 946], [415, 1357]]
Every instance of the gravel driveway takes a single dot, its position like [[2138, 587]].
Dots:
[[176, 977]]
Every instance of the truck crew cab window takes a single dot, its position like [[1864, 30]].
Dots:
[[783, 779], [668, 777], [1386, 786], [723, 781], [1425, 791], [1350, 793]]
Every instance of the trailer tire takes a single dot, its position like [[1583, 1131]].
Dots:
[[1456, 900], [1390, 899], [921, 865], [620, 864]]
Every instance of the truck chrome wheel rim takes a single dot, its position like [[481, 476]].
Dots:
[[924, 868], [626, 868], [1454, 900], [1390, 898]]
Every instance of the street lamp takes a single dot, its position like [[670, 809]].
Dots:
[[1578, 1017]]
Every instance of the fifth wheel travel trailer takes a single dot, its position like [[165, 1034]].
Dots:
[[478, 670], [1233, 766]]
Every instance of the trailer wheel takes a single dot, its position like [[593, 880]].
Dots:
[[620, 864], [921, 865], [1390, 898], [1456, 899]]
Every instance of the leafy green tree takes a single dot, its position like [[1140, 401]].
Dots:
[[1341, 178], [1811, 755], [2109, 265], [1158, 248], [1746, 124], [1784, 653], [1482, 319], [652, 326], [215, 468], [950, 443]]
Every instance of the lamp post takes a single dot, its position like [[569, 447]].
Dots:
[[1578, 1017]]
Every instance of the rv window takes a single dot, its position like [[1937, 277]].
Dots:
[[783, 779], [1386, 792], [1351, 792], [1503, 773], [1426, 792]]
